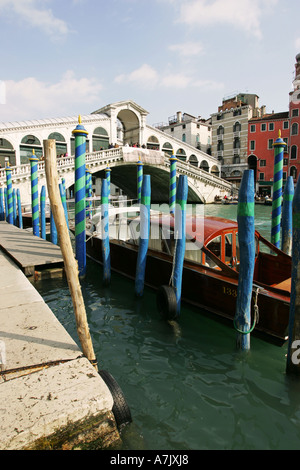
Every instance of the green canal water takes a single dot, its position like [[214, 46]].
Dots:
[[187, 386]]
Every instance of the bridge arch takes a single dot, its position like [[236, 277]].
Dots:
[[204, 165], [130, 126], [29, 143], [193, 160], [153, 143], [7, 151]]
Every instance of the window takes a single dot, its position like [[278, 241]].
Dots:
[[286, 148], [295, 112], [294, 152], [286, 125], [284, 175], [237, 127], [293, 172], [183, 126], [271, 126], [285, 162], [236, 143], [263, 127], [262, 163], [183, 138], [295, 129], [261, 176], [270, 144], [252, 144], [253, 128], [220, 130]]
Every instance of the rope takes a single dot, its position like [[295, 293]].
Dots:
[[256, 316]]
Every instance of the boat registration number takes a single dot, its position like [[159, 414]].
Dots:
[[229, 291]]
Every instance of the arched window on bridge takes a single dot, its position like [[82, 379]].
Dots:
[[181, 155], [193, 160], [7, 153], [29, 143], [167, 148], [153, 143], [100, 139], [204, 165], [87, 146], [215, 171], [61, 146]]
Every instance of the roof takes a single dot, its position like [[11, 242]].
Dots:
[[51, 121], [271, 117]]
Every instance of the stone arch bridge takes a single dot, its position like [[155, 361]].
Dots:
[[203, 186]]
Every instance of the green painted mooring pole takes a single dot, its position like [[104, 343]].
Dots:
[[279, 146], [80, 211], [34, 195]]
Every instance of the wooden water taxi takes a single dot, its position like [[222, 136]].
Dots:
[[211, 266]]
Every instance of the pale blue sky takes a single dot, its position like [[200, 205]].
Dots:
[[70, 57]]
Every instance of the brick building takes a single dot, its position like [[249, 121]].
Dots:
[[262, 133]]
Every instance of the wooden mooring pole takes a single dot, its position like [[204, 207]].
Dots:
[[70, 263], [246, 234], [293, 355]]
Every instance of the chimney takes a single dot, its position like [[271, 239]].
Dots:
[[179, 116]]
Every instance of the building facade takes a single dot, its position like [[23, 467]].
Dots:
[[230, 134], [262, 133], [189, 129]]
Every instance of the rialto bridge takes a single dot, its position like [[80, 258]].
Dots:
[[118, 137]]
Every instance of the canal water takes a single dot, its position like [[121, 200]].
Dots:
[[187, 386]]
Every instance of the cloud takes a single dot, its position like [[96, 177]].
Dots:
[[147, 77], [187, 49], [31, 98], [43, 19], [297, 43], [245, 15]]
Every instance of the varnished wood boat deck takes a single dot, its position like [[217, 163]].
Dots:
[[29, 252]]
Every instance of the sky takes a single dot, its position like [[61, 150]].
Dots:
[[63, 58]]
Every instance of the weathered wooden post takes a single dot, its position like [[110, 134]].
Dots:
[[2, 214], [172, 189], [9, 211], [180, 235], [279, 146], [43, 212], [20, 217], [80, 223], [34, 195], [139, 180], [105, 233], [287, 216], [144, 235], [293, 355], [67, 252], [246, 234]]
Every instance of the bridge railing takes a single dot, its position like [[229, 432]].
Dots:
[[111, 156]]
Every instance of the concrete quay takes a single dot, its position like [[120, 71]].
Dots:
[[51, 397]]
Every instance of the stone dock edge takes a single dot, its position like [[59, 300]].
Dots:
[[51, 397]]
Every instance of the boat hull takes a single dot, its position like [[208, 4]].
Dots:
[[202, 287]]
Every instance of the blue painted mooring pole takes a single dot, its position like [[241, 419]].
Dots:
[[172, 188], [293, 355], [246, 234], [80, 211], [9, 209], [43, 212], [105, 233], [180, 235], [144, 235], [279, 146], [139, 180], [20, 217], [6, 205], [15, 206], [2, 215], [34, 195], [287, 216], [53, 231]]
